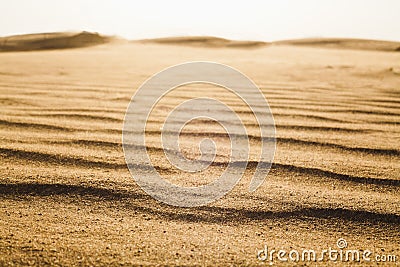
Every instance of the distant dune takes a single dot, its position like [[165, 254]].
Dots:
[[205, 41], [338, 43], [362, 44], [64, 40], [55, 40]]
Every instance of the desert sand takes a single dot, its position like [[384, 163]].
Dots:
[[67, 197]]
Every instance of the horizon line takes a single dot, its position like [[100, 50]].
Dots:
[[202, 35]]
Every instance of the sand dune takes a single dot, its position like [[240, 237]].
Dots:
[[56, 40], [344, 43], [338, 43], [68, 198], [63, 40], [205, 41]]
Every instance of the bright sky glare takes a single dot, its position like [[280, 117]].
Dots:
[[267, 20]]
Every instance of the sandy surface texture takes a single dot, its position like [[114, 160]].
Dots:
[[67, 197]]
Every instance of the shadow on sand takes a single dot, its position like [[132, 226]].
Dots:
[[138, 201]]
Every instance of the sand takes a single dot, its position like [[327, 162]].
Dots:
[[53, 40], [335, 43], [67, 197], [345, 43], [205, 41]]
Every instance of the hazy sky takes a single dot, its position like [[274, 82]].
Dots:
[[256, 20]]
